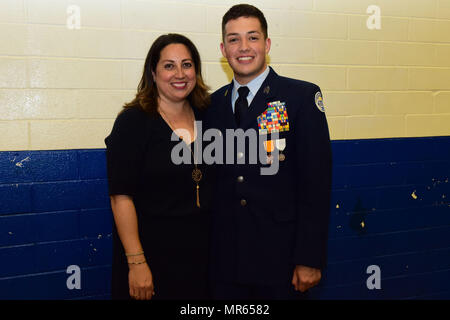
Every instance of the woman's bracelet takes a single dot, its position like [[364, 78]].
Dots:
[[140, 262], [134, 254]]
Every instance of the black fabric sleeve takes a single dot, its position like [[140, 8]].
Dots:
[[125, 152], [314, 170]]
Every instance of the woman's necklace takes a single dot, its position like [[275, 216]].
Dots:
[[196, 172]]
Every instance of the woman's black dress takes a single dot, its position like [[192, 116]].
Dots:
[[172, 229]]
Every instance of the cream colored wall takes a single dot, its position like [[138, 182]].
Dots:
[[62, 88]]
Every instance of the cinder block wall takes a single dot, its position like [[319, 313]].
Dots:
[[387, 97]]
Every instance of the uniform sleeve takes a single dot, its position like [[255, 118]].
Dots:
[[314, 170], [125, 152]]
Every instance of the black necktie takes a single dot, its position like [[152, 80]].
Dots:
[[241, 105]]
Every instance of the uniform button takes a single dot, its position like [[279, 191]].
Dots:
[[240, 155], [243, 202], [240, 179]]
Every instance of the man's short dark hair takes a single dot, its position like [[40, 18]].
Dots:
[[244, 10]]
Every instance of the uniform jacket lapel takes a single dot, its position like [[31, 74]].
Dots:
[[227, 111]]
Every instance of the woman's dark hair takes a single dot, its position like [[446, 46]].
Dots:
[[147, 92], [244, 10]]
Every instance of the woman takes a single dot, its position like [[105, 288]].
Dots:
[[160, 239]]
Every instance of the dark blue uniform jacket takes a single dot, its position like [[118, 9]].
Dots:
[[264, 225]]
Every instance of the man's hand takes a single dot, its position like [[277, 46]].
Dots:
[[305, 278]]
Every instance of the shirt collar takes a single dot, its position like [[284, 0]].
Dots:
[[253, 85]]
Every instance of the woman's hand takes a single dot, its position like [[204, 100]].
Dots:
[[140, 280]]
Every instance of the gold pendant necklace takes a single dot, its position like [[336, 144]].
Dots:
[[196, 172]]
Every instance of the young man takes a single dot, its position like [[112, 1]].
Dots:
[[269, 232]]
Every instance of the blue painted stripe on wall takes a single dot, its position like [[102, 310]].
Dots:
[[390, 207], [52, 285], [38, 166], [15, 198], [53, 226], [43, 257], [386, 221], [388, 150], [409, 263], [401, 287], [391, 243]]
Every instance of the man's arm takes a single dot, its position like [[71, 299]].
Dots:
[[314, 176]]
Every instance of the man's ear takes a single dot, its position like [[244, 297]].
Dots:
[[222, 48], [268, 44]]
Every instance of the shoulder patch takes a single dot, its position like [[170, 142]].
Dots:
[[319, 101]]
